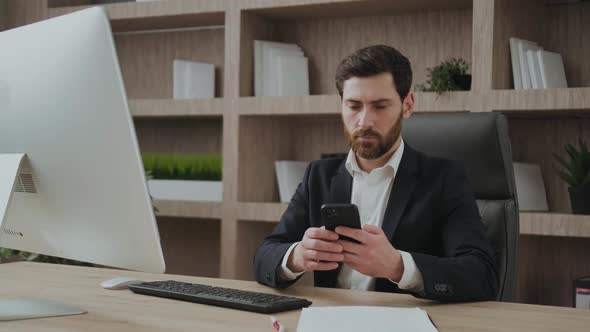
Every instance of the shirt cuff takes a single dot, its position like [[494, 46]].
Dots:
[[412, 277], [284, 272]]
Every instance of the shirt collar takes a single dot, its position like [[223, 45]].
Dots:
[[393, 162]]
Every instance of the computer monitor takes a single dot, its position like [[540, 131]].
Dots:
[[72, 182]]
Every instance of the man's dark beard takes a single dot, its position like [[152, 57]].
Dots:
[[374, 150]]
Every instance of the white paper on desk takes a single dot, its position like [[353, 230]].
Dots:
[[366, 319]]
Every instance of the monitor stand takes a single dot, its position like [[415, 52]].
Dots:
[[17, 309], [12, 309], [9, 166]]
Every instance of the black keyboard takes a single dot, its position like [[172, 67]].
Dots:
[[219, 296]]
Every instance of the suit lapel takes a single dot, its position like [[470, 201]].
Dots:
[[403, 187], [341, 187]]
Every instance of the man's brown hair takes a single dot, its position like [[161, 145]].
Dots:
[[374, 60]]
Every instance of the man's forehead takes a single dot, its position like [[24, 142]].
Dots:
[[370, 88]]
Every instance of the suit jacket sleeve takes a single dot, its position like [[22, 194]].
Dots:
[[290, 229], [467, 271]]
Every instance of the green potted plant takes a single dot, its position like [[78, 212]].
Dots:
[[451, 75], [576, 173], [184, 177]]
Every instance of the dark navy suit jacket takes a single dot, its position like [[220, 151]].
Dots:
[[431, 213]]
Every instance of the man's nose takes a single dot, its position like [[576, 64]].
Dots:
[[366, 118]]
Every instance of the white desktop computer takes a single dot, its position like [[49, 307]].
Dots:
[[71, 178], [72, 183]]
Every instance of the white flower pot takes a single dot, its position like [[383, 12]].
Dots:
[[185, 190]]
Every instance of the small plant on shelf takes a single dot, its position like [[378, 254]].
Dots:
[[184, 177], [182, 167], [576, 173], [451, 75]]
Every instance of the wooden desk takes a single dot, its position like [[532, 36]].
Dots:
[[124, 311]]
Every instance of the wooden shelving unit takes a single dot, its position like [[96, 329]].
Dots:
[[141, 16], [168, 108], [555, 224], [262, 212], [531, 223], [542, 102], [188, 209], [252, 132], [330, 104]]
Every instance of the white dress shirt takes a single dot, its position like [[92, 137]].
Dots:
[[370, 193]]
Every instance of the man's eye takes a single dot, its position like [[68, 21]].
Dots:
[[355, 107], [380, 107]]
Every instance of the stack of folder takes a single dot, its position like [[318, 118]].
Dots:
[[193, 80], [280, 69], [535, 68]]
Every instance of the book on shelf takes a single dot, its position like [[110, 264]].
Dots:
[[523, 47], [289, 175], [535, 68], [292, 79], [280, 69], [582, 293], [551, 69], [530, 188], [263, 52], [515, 60], [193, 80]]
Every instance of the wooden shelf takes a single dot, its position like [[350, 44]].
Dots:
[[266, 212], [558, 28], [554, 224], [147, 108], [300, 105], [146, 59], [286, 10], [157, 15], [545, 224], [188, 209], [457, 101], [363, 23], [330, 104], [535, 102]]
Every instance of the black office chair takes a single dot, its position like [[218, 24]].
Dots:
[[481, 142]]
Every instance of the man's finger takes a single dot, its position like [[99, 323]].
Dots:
[[322, 256], [350, 247], [321, 233], [357, 234], [321, 245], [320, 266], [350, 258], [373, 229]]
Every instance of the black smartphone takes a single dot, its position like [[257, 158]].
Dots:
[[334, 215]]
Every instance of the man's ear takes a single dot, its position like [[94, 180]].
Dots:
[[408, 105]]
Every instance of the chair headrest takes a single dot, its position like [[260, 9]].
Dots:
[[479, 141]]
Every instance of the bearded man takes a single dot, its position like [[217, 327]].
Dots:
[[421, 229]]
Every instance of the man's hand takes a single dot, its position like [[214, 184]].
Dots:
[[317, 251], [374, 256]]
